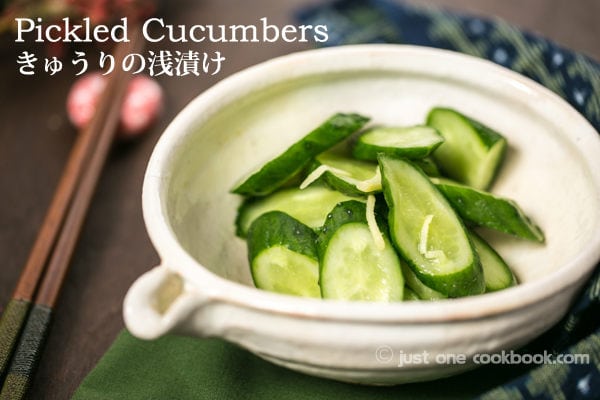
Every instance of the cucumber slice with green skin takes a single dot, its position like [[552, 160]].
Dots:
[[428, 166], [280, 170], [471, 153], [352, 266], [354, 177], [496, 272], [427, 232], [283, 256], [309, 206], [344, 174], [422, 291], [409, 295], [485, 209], [413, 142]]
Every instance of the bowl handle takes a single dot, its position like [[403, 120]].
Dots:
[[158, 303]]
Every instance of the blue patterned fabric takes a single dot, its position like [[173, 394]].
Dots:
[[571, 75]]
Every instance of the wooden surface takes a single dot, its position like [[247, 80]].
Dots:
[[35, 139]]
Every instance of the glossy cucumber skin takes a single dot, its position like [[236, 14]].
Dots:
[[485, 209], [452, 156], [342, 185], [276, 228], [319, 200], [488, 136], [347, 212], [280, 170], [468, 280], [364, 150]]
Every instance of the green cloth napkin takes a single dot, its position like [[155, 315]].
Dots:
[[186, 368], [190, 368]]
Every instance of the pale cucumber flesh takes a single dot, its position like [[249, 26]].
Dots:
[[496, 272], [471, 152], [309, 206], [355, 169], [281, 270], [353, 268], [427, 231], [412, 142], [347, 175]]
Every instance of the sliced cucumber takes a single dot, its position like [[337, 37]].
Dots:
[[349, 176], [354, 177], [284, 167], [427, 232], [283, 256], [409, 295], [410, 142], [471, 153], [310, 206], [422, 291], [428, 166], [353, 267], [496, 272], [485, 209]]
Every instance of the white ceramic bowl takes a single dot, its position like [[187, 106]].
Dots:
[[203, 286]]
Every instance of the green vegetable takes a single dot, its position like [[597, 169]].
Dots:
[[427, 232], [353, 265], [330, 237], [280, 170], [411, 142], [428, 166], [283, 256], [485, 209], [422, 291], [349, 176], [472, 152], [496, 272], [310, 206], [409, 295]]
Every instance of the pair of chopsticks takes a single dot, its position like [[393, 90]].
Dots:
[[26, 319]]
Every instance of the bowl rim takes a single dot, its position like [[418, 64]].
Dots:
[[296, 65]]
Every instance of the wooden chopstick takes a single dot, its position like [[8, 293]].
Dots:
[[16, 311], [49, 260]]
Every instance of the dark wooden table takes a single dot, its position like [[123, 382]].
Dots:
[[36, 137]]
